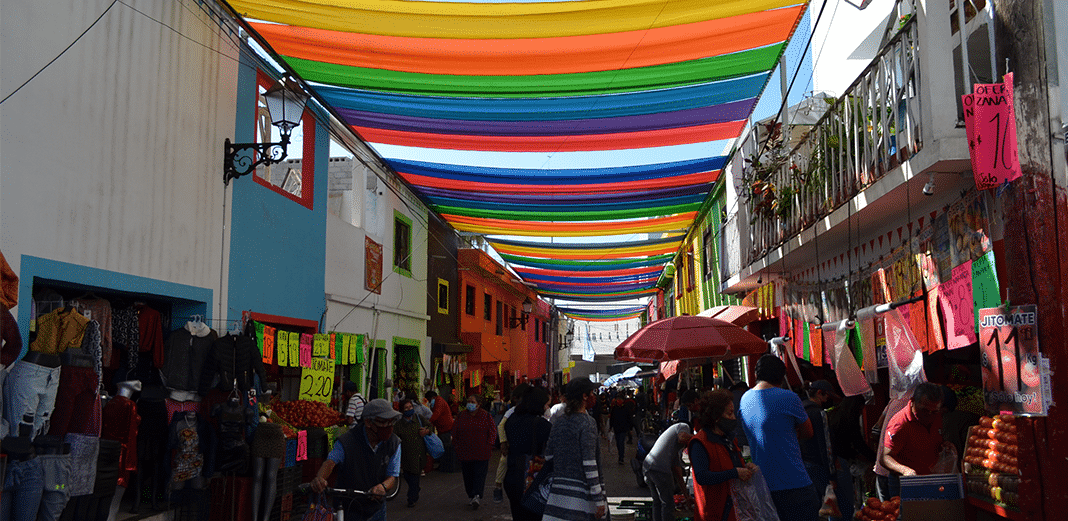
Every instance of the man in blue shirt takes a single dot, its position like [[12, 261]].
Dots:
[[369, 456], [774, 420]]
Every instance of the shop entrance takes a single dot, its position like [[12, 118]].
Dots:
[[406, 368]]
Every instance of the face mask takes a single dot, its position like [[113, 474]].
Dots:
[[472, 406], [432, 401], [727, 425], [409, 413], [381, 433], [591, 401]]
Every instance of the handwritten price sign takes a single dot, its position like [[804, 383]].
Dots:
[[317, 380], [1011, 363], [990, 121]]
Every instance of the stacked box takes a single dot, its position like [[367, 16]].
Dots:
[[291, 453]]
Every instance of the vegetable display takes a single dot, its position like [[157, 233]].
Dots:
[[302, 414], [875, 510], [991, 460]]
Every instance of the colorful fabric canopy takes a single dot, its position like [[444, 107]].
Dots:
[[475, 103], [602, 315]]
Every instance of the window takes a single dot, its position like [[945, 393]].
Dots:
[[709, 250], [487, 308], [469, 300], [402, 244], [537, 323], [289, 177], [691, 275], [545, 332], [500, 317], [443, 296], [511, 315]]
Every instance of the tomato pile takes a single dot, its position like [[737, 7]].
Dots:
[[875, 510], [991, 459], [303, 414]]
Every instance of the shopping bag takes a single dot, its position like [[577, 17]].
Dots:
[[434, 446], [319, 509], [752, 499], [947, 460], [539, 480], [830, 503]]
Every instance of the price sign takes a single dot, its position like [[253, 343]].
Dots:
[[319, 345], [1011, 362], [302, 445], [317, 380], [268, 344], [283, 349], [990, 122], [333, 349], [294, 349], [305, 350], [343, 339]]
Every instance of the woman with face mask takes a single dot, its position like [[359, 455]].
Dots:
[[411, 429], [716, 459], [473, 435]]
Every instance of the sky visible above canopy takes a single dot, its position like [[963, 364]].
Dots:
[[580, 136]]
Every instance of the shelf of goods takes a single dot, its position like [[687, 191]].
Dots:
[[991, 465]]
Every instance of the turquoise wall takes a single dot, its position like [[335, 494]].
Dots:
[[277, 246]]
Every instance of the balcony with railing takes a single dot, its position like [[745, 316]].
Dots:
[[897, 121]]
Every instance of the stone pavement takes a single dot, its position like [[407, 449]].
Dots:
[[442, 497]]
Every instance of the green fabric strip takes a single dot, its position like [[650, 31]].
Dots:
[[575, 84], [606, 264]]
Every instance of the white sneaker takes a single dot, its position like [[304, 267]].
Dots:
[[475, 501]]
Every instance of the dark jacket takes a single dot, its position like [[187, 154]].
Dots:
[[364, 468], [232, 357]]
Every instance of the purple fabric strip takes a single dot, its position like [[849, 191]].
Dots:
[[722, 113], [567, 199]]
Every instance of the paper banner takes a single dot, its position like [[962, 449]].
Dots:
[[343, 350], [816, 344], [986, 292], [333, 344], [259, 337], [806, 348], [798, 339], [268, 344], [294, 349], [990, 122], [955, 299], [319, 347], [356, 348], [282, 345], [302, 445]]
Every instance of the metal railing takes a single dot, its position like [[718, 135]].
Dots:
[[864, 134]]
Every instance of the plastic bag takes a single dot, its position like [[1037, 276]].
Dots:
[[830, 503], [947, 461], [752, 499], [434, 446], [319, 509]]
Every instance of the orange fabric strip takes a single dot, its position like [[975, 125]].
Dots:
[[507, 188], [597, 52]]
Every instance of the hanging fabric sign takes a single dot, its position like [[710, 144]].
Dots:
[[356, 348], [985, 290], [319, 346], [294, 349], [268, 344], [259, 337], [305, 350], [283, 348], [333, 344], [476, 378], [990, 121], [317, 380], [343, 340], [955, 298], [1014, 379]]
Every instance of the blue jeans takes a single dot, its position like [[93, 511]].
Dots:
[[23, 486], [30, 396], [797, 504], [56, 471]]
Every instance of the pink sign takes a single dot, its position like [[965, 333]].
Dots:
[[955, 298], [305, 350], [302, 445], [990, 121]]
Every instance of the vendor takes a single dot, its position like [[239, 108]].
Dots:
[[913, 439]]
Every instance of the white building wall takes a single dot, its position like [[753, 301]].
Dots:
[[111, 157]]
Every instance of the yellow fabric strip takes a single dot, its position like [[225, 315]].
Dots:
[[492, 20]]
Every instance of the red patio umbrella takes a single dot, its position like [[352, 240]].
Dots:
[[689, 337]]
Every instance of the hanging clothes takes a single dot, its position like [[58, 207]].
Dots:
[[120, 424], [232, 357], [192, 448], [186, 350], [99, 310], [126, 332], [59, 330], [233, 419], [9, 284]]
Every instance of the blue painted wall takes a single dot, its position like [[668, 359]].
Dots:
[[277, 246], [185, 300]]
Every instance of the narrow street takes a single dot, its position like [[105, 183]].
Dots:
[[443, 498]]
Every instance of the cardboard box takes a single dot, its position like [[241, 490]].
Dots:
[[935, 497]]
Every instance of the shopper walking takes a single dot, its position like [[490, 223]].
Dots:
[[774, 420], [716, 458], [528, 432], [410, 430], [619, 419], [473, 435], [577, 492]]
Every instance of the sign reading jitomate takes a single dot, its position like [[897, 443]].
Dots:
[[990, 121], [317, 380], [1012, 366]]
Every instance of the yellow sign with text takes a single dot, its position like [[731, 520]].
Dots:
[[317, 381]]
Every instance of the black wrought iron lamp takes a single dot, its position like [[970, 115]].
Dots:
[[285, 104], [528, 307]]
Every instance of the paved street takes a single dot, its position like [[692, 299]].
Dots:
[[443, 496]]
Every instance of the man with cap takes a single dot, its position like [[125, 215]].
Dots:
[[816, 451], [369, 455]]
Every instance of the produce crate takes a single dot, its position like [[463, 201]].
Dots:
[[643, 510]]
